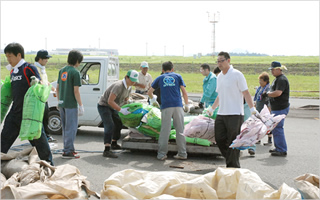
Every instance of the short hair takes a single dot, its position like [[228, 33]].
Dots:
[[14, 48], [166, 66], [225, 54], [74, 56], [216, 70], [264, 76], [205, 66]]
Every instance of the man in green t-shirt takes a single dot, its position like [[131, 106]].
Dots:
[[68, 95]]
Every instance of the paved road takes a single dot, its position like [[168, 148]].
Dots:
[[302, 134]]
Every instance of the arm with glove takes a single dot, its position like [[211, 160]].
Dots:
[[249, 101], [115, 106], [187, 106], [213, 107], [153, 98], [78, 98]]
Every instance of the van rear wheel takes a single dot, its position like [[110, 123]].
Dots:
[[54, 123]]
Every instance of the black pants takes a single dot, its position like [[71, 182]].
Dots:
[[226, 129], [11, 130]]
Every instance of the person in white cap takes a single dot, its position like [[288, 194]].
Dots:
[[109, 106], [145, 79]]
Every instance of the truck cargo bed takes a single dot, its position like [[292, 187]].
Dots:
[[151, 144]]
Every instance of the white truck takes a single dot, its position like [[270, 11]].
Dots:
[[97, 74]]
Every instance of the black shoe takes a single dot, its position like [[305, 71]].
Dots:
[[277, 153], [109, 154], [258, 142], [115, 146], [272, 150], [267, 144], [251, 152]]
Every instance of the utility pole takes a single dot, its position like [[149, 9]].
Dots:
[[214, 19]]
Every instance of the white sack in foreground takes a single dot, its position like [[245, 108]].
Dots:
[[254, 129], [223, 183]]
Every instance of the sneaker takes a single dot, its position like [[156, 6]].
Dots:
[[109, 154], [251, 152], [277, 153], [115, 146], [267, 144], [51, 139], [272, 150], [70, 155], [179, 157], [162, 158]]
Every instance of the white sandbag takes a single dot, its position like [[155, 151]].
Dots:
[[223, 183], [200, 127], [308, 186]]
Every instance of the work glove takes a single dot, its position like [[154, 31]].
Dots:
[[125, 111], [154, 102], [254, 112], [200, 104], [187, 108], [80, 110], [34, 80], [209, 112]]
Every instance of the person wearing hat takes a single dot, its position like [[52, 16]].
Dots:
[[41, 60], [279, 101], [145, 79], [20, 75], [109, 106]]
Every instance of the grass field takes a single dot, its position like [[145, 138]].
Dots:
[[193, 78]]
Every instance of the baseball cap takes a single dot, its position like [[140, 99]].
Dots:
[[133, 75], [144, 64], [275, 64], [43, 54]]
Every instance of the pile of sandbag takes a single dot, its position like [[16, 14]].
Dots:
[[223, 183], [146, 119], [23, 176]]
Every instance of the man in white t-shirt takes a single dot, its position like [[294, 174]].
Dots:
[[145, 79], [231, 88]]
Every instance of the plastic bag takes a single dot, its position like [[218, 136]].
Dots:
[[138, 110], [254, 129], [200, 127], [6, 98], [33, 109]]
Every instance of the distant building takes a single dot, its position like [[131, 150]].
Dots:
[[84, 51], [87, 51]]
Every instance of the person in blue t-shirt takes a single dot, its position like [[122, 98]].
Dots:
[[170, 84]]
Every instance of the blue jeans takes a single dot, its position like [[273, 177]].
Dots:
[[11, 130], [278, 132], [69, 122], [111, 122]]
